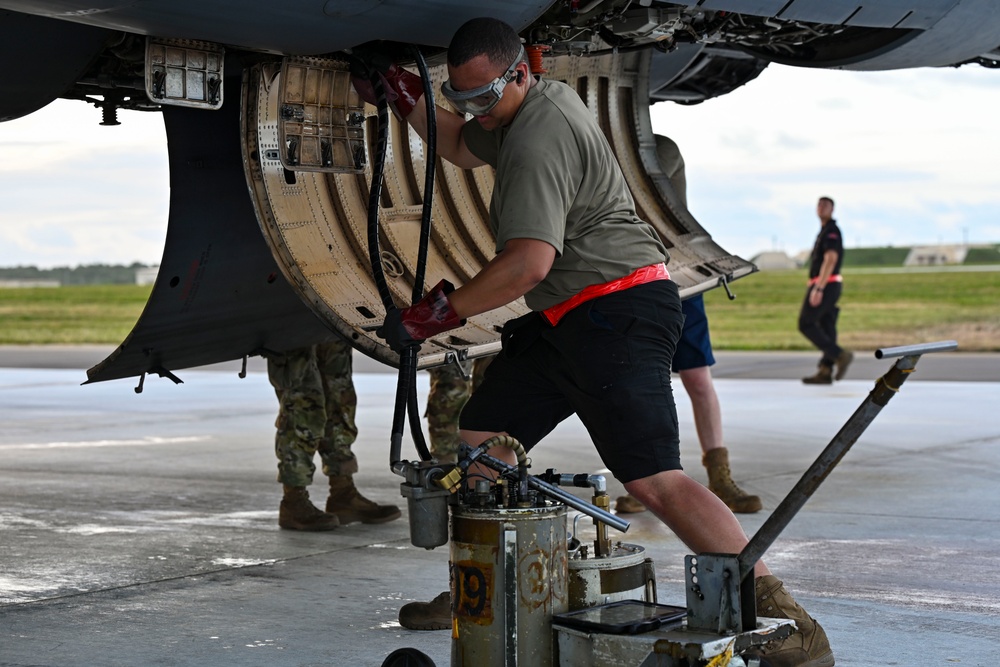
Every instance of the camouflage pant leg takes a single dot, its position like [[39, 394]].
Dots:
[[301, 414], [448, 395], [335, 368], [479, 367]]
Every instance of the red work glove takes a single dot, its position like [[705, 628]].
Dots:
[[428, 317], [403, 89]]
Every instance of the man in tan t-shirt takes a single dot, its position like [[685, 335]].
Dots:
[[606, 317]]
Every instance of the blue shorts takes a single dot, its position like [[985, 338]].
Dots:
[[608, 361], [694, 349]]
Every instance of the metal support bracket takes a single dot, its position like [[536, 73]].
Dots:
[[459, 358], [724, 283], [714, 599], [162, 372]]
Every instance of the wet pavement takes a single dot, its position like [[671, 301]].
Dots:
[[140, 529]]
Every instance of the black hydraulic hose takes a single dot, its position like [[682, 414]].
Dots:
[[416, 430], [413, 411], [407, 405], [375, 191], [406, 389], [374, 256], [425, 218]]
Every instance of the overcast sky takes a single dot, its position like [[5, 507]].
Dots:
[[911, 157]]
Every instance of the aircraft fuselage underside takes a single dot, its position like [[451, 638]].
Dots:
[[267, 243], [315, 229]]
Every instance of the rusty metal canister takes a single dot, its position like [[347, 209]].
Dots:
[[508, 577], [626, 574]]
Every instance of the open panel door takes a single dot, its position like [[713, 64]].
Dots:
[[316, 223]]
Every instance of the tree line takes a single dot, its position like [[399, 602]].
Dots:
[[85, 274]]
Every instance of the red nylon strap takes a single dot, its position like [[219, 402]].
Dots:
[[646, 274], [835, 278]]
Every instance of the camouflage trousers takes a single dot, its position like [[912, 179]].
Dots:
[[450, 391], [317, 405]]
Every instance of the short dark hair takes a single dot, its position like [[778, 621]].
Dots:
[[484, 36], [827, 199]]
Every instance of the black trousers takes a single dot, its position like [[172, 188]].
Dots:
[[819, 324], [608, 361]]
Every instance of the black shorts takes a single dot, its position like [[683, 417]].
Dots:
[[694, 349], [608, 360]]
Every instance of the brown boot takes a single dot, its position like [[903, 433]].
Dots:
[[824, 375], [433, 615], [807, 646], [297, 513], [628, 505], [844, 360], [720, 482], [350, 506]]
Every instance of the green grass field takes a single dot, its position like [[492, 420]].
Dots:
[[879, 308], [70, 315]]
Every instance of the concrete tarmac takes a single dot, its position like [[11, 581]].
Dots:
[[140, 529], [958, 366]]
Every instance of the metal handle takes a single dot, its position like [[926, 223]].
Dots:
[[885, 388], [923, 348]]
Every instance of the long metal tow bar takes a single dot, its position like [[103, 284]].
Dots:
[[726, 600]]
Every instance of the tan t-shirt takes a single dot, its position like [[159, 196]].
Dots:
[[558, 181]]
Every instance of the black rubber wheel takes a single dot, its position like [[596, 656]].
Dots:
[[408, 657]]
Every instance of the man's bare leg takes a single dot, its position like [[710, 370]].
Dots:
[[715, 457], [705, 406], [693, 513]]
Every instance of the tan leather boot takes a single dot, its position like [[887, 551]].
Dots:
[[824, 375], [433, 615], [628, 505], [348, 505], [720, 482], [297, 513], [844, 360], [807, 646]]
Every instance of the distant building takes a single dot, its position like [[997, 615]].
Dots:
[[774, 260], [936, 255], [803, 257], [146, 275], [18, 282]]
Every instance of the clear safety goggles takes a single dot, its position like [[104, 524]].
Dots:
[[480, 101]]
